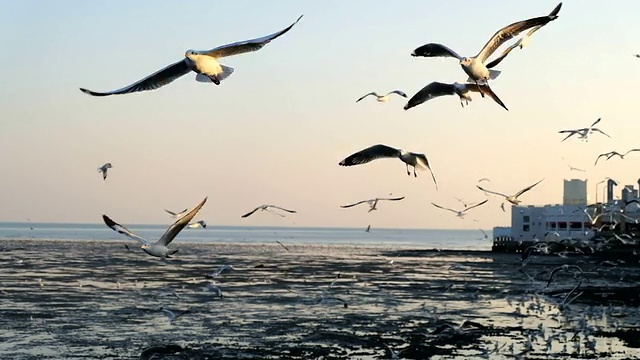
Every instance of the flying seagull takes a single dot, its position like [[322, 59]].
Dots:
[[461, 213], [172, 316], [197, 224], [383, 98], [636, 55], [159, 248], [104, 169], [584, 132], [474, 66], [437, 89], [177, 214], [372, 203], [511, 198], [203, 63], [523, 41], [611, 154], [383, 151], [266, 208]]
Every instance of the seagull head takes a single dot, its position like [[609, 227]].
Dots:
[[145, 246], [465, 61], [190, 54]]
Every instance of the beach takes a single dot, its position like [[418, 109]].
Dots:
[[98, 300]]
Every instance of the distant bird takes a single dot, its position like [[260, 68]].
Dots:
[[372, 202], [159, 248], [474, 66], [383, 151], [564, 267], [484, 179], [383, 98], [104, 169], [502, 207], [220, 271], [460, 213], [203, 63], [437, 89], [511, 198], [368, 229], [281, 244], [172, 316], [523, 41], [266, 208], [636, 55], [178, 214], [197, 224], [584, 132], [484, 235], [611, 154]]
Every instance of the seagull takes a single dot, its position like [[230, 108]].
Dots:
[[372, 203], [214, 289], [178, 214], [636, 55], [484, 179], [368, 229], [611, 154], [171, 315], [584, 132], [484, 235], [384, 98], [461, 213], [474, 66], [197, 224], [266, 208], [523, 41], [221, 269], [159, 248], [513, 198], [281, 244], [203, 63], [437, 89], [383, 151], [104, 169], [564, 267]]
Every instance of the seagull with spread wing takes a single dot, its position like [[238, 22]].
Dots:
[[611, 154], [523, 41], [583, 132], [437, 89], [475, 66], [204, 63], [177, 214], [384, 98], [266, 208], [383, 151], [511, 198], [197, 224], [372, 203], [460, 213], [159, 248], [173, 316], [103, 169]]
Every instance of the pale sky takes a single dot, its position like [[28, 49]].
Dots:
[[275, 130]]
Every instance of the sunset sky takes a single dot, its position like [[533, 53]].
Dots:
[[275, 130]]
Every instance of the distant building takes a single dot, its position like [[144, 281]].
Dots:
[[575, 192]]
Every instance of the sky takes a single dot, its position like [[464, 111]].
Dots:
[[276, 129]]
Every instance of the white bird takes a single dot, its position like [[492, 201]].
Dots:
[[204, 63], [371, 202], [474, 66], [159, 248], [584, 132], [383, 98], [221, 269], [383, 151], [460, 213], [197, 224], [214, 289], [437, 89], [611, 154], [172, 316], [177, 214], [523, 41], [266, 208], [103, 169], [511, 198], [484, 235]]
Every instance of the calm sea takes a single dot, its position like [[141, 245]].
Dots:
[[413, 238]]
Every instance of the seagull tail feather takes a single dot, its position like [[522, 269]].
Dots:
[[494, 74], [226, 71]]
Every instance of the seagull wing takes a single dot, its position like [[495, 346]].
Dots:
[[504, 54], [475, 205], [485, 89], [431, 91], [594, 124], [371, 153], [422, 159], [398, 92], [392, 199], [484, 233], [435, 50], [170, 212], [252, 211], [177, 226], [526, 189], [245, 46], [371, 93], [571, 133], [151, 82], [354, 204], [283, 209], [122, 230], [491, 192], [601, 155], [444, 208], [601, 132], [630, 151], [508, 32]]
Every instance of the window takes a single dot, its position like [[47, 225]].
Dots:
[[562, 225], [575, 225], [552, 225], [526, 218], [525, 227]]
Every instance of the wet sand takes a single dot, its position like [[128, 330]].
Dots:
[[97, 300]]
